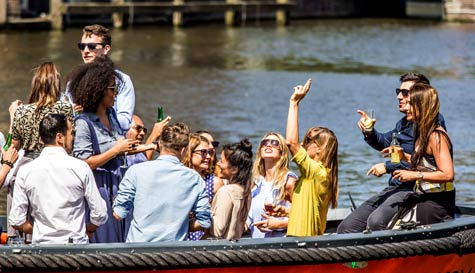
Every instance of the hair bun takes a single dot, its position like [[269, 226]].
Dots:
[[246, 146]]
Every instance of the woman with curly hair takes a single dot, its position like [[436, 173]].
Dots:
[[232, 202], [99, 139], [272, 181]]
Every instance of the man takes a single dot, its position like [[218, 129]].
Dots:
[[376, 212], [57, 187], [138, 131], [96, 41], [163, 192]]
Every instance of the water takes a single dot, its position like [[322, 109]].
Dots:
[[236, 82]]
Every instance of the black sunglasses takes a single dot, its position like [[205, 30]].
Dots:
[[404, 92], [140, 128], [204, 152], [215, 144], [91, 46], [272, 142]]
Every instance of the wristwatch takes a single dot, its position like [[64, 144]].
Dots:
[[420, 176]]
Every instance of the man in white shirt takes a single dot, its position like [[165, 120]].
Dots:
[[57, 187]]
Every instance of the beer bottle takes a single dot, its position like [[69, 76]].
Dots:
[[8, 142], [395, 159], [160, 114]]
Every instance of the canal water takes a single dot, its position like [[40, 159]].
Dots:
[[236, 82]]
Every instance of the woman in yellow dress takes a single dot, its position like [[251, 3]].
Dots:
[[317, 159]]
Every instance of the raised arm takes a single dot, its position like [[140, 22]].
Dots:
[[292, 132]]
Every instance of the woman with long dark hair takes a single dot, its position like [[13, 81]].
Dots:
[[232, 202], [432, 161]]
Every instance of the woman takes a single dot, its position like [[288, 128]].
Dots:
[[99, 140], [43, 99], [232, 202], [198, 156], [317, 159], [431, 163], [213, 169], [271, 180]]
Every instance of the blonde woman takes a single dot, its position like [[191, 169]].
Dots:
[[272, 181], [198, 156], [317, 159]]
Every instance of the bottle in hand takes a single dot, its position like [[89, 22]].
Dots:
[[395, 159]]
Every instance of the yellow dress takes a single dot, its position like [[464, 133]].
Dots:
[[311, 197]]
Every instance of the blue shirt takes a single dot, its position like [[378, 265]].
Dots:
[[125, 102], [162, 192], [107, 139], [405, 135]]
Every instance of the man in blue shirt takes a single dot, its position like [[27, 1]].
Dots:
[[376, 212], [96, 41], [163, 192]]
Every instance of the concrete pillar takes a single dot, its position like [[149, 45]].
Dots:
[[178, 15], [3, 12], [118, 17], [281, 15], [56, 13]]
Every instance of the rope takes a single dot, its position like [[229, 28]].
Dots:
[[460, 242]]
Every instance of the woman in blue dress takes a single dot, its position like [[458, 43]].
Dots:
[[99, 140]]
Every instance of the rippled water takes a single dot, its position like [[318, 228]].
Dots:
[[236, 82]]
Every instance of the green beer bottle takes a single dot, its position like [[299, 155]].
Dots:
[[160, 114], [8, 142]]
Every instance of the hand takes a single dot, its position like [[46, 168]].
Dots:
[[300, 91], [386, 152], [78, 108], [158, 128], [378, 170], [10, 155], [366, 122], [281, 211], [405, 175], [125, 145], [263, 225]]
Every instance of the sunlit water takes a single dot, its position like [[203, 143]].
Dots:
[[236, 82]]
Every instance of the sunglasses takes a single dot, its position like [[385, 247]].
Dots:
[[309, 139], [204, 152], [140, 128], [91, 46], [215, 144], [273, 142], [114, 88], [404, 92]]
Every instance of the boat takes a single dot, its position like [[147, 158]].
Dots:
[[442, 247]]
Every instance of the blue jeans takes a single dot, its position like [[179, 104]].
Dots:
[[376, 212]]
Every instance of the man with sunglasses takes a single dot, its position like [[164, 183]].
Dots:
[[96, 41], [138, 131], [376, 212]]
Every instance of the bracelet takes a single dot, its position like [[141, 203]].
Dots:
[[8, 162]]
